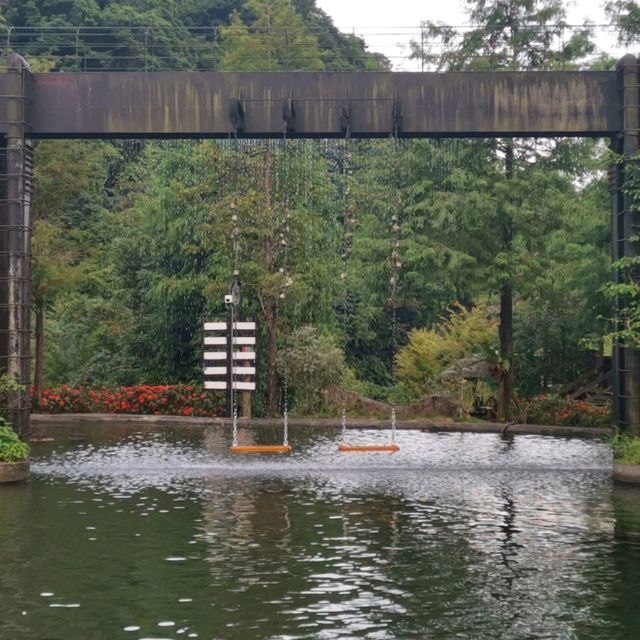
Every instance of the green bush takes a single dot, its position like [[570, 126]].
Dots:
[[430, 352], [626, 448], [12, 449], [397, 393], [8, 386], [314, 364]]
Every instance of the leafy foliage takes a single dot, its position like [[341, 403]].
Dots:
[[276, 39], [624, 290], [514, 35], [8, 388], [626, 448], [133, 244], [12, 449], [429, 352], [626, 16], [153, 35], [313, 364]]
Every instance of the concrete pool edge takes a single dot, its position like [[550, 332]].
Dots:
[[626, 473], [44, 424], [11, 472]]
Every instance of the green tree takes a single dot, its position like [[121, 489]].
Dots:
[[287, 250], [464, 333], [69, 183], [51, 273], [510, 35], [184, 34], [625, 14], [275, 39], [313, 364], [507, 35], [340, 51], [175, 261]]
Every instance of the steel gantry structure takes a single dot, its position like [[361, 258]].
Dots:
[[300, 105]]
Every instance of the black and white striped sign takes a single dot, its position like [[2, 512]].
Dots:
[[216, 356]]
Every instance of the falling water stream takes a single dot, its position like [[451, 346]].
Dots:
[[140, 534]]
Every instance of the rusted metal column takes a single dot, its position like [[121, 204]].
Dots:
[[15, 243], [625, 228]]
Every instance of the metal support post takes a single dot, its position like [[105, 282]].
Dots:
[[15, 244], [625, 228]]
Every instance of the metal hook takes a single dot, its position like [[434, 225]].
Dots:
[[345, 119], [288, 116], [236, 115], [397, 115]]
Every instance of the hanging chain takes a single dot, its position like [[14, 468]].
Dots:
[[234, 292], [284, 270], [349, 223], [234, 404], [395, 267]]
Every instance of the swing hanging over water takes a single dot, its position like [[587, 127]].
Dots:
[[350, 223], [232, 300]]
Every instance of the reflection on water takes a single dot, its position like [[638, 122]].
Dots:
[[456, 536]]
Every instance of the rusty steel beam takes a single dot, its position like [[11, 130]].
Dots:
[[317, 105], [15, 247]]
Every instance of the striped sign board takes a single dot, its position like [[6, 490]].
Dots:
[[216, 356], [222, 340]]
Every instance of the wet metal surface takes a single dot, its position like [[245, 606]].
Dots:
[[168, 535], [431, 104]]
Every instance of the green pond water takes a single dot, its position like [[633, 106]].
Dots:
[[127, 535]]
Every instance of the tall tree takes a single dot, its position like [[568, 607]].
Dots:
[[507, 35], [68, 197], [275, 39], [626, 16], [51, 273]]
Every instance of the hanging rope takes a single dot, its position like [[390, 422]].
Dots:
[[395, 267], [287, 281], [234, 293], [234, 404], [349, 223], [233, 297]]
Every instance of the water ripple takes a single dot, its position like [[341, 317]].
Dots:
[[456, 536]]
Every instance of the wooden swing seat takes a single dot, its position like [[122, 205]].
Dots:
[[261, 448], [363, 448]]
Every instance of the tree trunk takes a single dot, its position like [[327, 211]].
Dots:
[[270, 303], [39, 355], [505, 384], [245, 403], [272, 357]]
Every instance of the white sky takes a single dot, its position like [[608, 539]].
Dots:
[[389, 26]]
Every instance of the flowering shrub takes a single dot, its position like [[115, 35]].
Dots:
[[171, 400], [553, 409]]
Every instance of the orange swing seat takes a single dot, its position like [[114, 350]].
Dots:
[[364, 448], [261, 448]]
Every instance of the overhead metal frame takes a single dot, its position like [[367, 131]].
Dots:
[[303, 105], [321, 105], [624, 238]]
